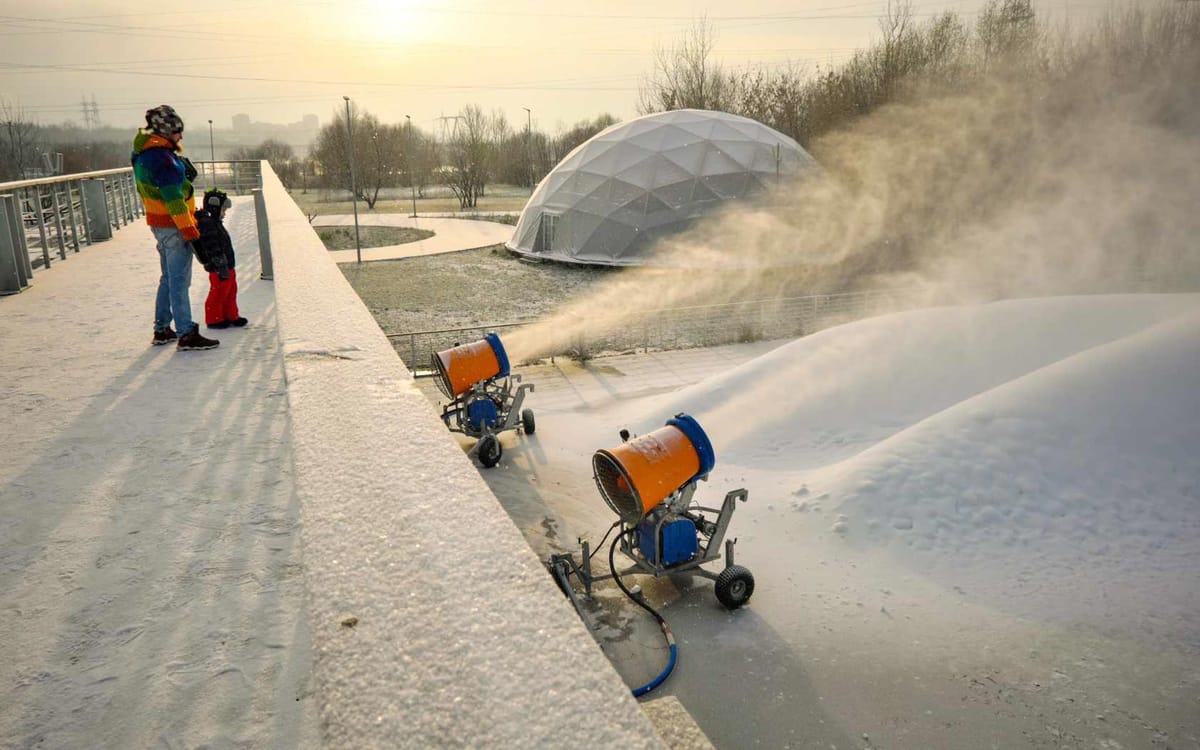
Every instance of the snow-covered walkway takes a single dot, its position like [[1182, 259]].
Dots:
[[150, 587]]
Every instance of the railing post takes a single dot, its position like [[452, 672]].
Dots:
[[110, 202], [137, 199], [41, 223], [95, 198], [17, 225], [83, 214], [123, 206], [56, 206], [138, 209], [71, 216], [264, 235], [13, 263]]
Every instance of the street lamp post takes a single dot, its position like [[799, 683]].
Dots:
[[212, 154], [412, 184], [353, 187], [528, 151]]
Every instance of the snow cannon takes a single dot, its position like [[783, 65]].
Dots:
[[483, 401], [461, 367], [650, 483], [637, 475]]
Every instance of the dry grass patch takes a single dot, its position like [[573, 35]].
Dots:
[[342, 238]]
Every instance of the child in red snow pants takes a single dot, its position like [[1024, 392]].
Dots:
[[214, 249], [221, 305]]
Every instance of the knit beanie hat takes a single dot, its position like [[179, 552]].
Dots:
[[163, 120], [215, 199]]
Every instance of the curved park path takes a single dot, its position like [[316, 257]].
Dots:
[[449, 235]]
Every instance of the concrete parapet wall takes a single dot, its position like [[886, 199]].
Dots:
[[433, 623]]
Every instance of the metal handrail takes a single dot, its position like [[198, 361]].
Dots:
[[65, 212], [61, 214], [7, 187], [236, 176]]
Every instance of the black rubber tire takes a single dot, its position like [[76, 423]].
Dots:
[[734, 586], [490, 451], [527, 421]]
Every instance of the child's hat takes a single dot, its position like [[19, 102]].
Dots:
[[215, 199]]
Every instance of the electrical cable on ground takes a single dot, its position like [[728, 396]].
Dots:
[[640, 601], [600, 546]]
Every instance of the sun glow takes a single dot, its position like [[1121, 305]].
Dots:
[[397, 21]]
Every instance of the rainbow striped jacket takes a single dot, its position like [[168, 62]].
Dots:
[[163, 184]]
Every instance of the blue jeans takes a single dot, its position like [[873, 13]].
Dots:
[[173, 300]]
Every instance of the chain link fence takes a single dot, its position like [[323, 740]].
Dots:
[[677, 327]]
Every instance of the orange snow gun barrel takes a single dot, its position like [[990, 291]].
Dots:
[[639, 474], [460, 368]]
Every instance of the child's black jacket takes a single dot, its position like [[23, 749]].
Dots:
[[214, 249]]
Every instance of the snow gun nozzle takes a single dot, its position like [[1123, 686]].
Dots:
[[637, 475]]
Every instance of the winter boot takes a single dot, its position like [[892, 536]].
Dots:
[[192, 340], [165, 336]]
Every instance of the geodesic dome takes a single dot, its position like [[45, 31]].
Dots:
[[613, 196]]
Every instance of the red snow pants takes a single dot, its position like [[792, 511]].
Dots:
[[221, 304]]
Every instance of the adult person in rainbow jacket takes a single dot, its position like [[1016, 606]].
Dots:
[[164, 181]]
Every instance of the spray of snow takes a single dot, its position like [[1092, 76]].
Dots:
[[1022, 189]]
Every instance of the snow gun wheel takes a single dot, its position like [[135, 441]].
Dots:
[[734, 586], [489, 451], [527, 421]]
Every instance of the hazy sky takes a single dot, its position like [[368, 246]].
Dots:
[[276, 61]]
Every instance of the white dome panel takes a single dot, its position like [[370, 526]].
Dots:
[[611, 198]]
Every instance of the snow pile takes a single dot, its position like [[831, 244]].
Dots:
[[1043, 454]]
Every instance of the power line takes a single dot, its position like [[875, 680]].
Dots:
[[264, 79], [83, 26], [571, 85]]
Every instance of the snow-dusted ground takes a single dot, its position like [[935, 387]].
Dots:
[[970, 527], [150, 571]]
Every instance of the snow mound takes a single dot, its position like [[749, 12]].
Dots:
[[1043, 455], [1072, 492], [833, 394]]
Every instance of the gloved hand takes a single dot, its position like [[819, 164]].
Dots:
[[223, 273], [189, 169]]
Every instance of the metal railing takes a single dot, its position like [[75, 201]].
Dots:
[[677, 327], [61, 214], [236, 177], [51, 216]]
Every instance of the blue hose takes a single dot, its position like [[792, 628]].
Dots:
[[666, 629], [662, 676]]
